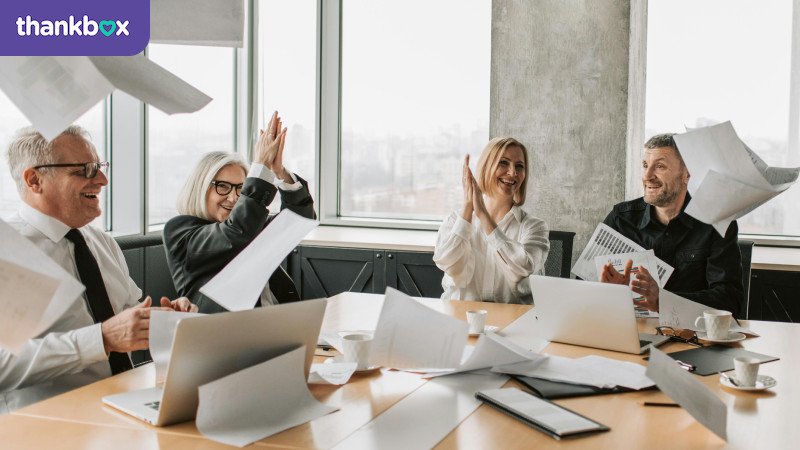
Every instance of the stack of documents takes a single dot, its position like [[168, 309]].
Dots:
[[606, 242]]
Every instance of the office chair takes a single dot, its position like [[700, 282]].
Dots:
[[559, 260]]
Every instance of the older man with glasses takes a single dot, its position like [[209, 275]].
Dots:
[[59, 183]]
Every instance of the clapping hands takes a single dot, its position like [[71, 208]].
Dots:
[[269, 148]]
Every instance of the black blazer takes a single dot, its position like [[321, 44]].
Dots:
[[197, 249]]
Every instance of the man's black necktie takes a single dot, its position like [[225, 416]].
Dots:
[[99, 304]]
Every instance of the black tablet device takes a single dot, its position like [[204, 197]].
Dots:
[[544, 415]]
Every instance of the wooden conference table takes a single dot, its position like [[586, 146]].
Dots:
[[769, 419]]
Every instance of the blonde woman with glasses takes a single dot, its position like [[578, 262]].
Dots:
[[223, 207], [488, 249]]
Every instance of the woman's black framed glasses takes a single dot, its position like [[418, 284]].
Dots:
[[225, 188], [89, 169], [687, 336]]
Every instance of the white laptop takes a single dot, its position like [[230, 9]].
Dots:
[[589, 313], [210, 347]]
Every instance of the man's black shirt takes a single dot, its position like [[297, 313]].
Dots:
[[708, 268]]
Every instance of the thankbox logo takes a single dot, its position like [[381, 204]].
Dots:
[[75, 27], [84, 27]]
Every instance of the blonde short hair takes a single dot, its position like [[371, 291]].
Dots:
[[192, 196], [490, 157], [30, 149]]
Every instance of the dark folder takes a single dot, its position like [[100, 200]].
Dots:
[[715, 358], [552, 389]]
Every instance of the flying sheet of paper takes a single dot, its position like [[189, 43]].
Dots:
[[162, 335], [591, 370], [258, 402], [728, 178], [218, 23], [411, 335], [52, 91], [39, 315], [490, 351], [335, 373], [607, 241], [150, 83], [239, 284], [440, 404], [693, 396], [678, 312], [524, 332], [23, 299]]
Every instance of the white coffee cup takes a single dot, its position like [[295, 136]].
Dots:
[[476, 318], [356, 348], [746, 371], [716, 323]]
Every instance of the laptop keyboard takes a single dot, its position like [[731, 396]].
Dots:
[[154, 405], [643, 342]]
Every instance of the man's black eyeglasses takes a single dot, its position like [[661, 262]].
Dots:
[[225, 188], [89, 169], [687, 336]]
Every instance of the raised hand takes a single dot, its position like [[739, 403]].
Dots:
[[269, 148], [646, 286], [466, 183], [610, 275]]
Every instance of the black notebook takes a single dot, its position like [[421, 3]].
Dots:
[[552, 389], [715, 358]]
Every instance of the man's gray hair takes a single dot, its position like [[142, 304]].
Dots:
[[192, 196], [30, 149], [664, 140]]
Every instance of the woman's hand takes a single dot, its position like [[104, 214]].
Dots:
[[269, 148], [477, 202], [466, 183]]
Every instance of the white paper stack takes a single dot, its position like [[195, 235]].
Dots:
[[607, 241]]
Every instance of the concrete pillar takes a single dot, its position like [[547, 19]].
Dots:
[[559, 84]]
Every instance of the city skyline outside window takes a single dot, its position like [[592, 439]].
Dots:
[[414, 102], [718, 60], [176, 142]]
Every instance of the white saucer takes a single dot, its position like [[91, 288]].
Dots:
[[733, 336], [340, 359], [762, 382], [486, 330]]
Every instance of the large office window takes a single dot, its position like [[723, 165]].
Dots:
[[286, 74], [414, 101], [11, 120], [719, 60], [175, 143]]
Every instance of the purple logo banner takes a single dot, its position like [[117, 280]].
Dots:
[[74, 27]]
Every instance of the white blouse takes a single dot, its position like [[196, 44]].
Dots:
[[491, 268]]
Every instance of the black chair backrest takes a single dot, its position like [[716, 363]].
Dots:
[[559, 260], [746, 250]]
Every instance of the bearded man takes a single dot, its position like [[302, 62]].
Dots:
[[708, 267]]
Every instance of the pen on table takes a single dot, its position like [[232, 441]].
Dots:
[[661, 404]]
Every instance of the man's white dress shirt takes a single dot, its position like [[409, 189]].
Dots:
[[491, 268], [70, 354]]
